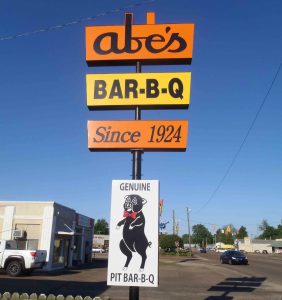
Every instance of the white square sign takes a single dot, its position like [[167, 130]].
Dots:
[[134, 233]]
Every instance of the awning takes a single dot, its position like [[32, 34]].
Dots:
[[65, 230], [65, 233]]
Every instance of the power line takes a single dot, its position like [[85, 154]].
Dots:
[[75, 22], [242, 143]]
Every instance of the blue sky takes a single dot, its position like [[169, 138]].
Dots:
[[43, 115]]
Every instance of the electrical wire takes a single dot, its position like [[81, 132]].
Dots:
[[242, 143], [62, 26]]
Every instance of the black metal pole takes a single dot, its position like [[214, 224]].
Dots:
[[136, 174]]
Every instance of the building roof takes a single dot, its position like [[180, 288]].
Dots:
[[259, 241], [276, 244]]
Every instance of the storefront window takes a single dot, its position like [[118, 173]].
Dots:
[[61, 251], [56, 251]]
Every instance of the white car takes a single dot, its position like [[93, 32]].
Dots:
[[97, 250]]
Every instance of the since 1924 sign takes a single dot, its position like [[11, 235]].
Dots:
[[134, 232], [149, 135]]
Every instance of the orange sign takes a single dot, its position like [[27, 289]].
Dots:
[[146, 135], [128, 43]]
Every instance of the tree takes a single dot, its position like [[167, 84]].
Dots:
[[101, 227], [242, 233], [268, 232], [185, 238], [201, 235], [168, 241], [279, 231], [225, 236], [264, 224]]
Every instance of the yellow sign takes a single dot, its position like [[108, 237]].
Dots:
[[149, 90]]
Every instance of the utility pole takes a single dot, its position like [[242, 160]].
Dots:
[[173, 222], [188, 221], [176, 228]]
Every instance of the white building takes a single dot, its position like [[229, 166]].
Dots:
[[63, 233], [258, 245], [101, 241]]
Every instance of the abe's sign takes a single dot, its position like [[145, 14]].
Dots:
[[153, 135], [128, 43], [149, 90], [134, 233]]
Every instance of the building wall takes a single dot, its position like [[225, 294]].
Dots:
[[249, 246], [49, 226], [262, 247], [101, 241], [83, 239]]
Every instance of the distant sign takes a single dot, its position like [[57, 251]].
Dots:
[[165, 135], [128, 43], [149, 90], [134, 233]]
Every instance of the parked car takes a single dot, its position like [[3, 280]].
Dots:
[[220, 250], [17, 262], [211, 249], [203, 250], [233, 257], [98, 250]]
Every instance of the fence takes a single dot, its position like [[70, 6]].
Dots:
[[25, 296]]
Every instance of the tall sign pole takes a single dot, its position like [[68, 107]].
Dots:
[[136, 174], [136, 166], [135, 203]]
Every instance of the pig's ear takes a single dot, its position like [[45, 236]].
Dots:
[[144, 201]]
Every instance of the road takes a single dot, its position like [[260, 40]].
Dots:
[[260, 265], [202, 277]]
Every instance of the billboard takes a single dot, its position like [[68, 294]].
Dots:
[[153, 135], [148, 43], [134, 233], [148, 90]]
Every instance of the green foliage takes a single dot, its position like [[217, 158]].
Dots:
[[264, 224], [168, 241], [226, 238], [185, 238], [242, 233], [201, 235], [101, 227], [270, 232]]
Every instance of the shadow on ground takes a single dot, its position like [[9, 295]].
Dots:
[[25, 284], [98, 263], [235, 285]]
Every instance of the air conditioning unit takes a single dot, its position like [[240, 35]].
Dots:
[[18, 234]]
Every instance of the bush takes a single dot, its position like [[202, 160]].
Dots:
[[169, 241]]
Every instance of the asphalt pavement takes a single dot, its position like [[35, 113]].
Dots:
[[202, 277]]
